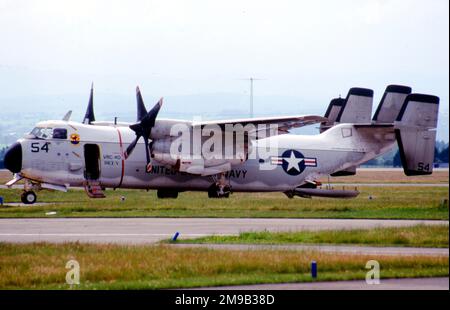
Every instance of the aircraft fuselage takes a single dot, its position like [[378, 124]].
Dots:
[[298, 159]]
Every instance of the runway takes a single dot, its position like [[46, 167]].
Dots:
[[151, 230], [385, 284]]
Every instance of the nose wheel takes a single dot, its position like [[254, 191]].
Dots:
[[28, 197]]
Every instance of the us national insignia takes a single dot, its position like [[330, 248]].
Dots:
[[74, 138]]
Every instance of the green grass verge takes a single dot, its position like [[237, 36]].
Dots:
[[42, 266], [414, 236], [396, 203]]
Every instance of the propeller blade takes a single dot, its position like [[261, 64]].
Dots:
[[89, 116], [143, 128], [131, 147], [148, 167], [137, 128], [141, 110], [149, 120]]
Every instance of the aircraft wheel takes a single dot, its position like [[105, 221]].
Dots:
[[166, 194], [213, 192], [28, 197]]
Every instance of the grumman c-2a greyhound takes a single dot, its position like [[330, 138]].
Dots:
[[97, 155]]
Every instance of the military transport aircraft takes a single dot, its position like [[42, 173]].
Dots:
[[248, 155]]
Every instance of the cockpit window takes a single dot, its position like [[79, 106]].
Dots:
[[42, 133], [59, 133]]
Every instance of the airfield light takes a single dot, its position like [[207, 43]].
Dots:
[[314, 269], [174, 238]]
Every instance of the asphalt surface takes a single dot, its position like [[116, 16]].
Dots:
[[385, 284], [150, 230]]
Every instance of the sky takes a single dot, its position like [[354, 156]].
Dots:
[[308, 50]]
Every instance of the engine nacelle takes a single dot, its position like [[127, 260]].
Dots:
[[163, 128]]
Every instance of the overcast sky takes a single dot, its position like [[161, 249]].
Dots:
[[309, 49]]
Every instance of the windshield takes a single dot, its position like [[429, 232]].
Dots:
[[42, 133]]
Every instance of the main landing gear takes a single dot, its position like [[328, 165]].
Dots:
[[167, 193], [221, 187]]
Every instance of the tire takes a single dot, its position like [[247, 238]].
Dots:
[[28, 197], [166, 194], [213, 192]]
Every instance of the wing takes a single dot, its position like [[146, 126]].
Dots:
[[284, 123], [240, 148]]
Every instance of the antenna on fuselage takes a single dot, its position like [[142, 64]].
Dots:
[[67, 116]]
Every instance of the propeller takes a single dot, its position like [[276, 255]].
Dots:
[[89, 116], [141, 110], [143, 128]]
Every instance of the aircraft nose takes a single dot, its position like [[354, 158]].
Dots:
[[13, 158]]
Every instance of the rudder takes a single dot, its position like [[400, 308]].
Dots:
[[357, 107], [391, 103], [415, 132], [332, 113]]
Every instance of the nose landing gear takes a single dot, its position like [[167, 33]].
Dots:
[[28, 197]]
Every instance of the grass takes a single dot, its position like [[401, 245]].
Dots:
[[42, 266], [388, 202], [414, 236]]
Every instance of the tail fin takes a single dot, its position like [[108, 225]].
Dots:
[[332, 113], [357, 106], [415, 132], [391, 103]]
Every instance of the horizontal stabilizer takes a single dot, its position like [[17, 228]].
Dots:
[[345, 172]]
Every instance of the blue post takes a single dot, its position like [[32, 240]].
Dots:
[[1, 201], [174, 238], [314, 269]]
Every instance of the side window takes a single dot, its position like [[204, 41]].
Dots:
[[346, 132], [42, 133], [59, 133]]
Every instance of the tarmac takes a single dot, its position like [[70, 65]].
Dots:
[[151, 230], [385, 284]]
